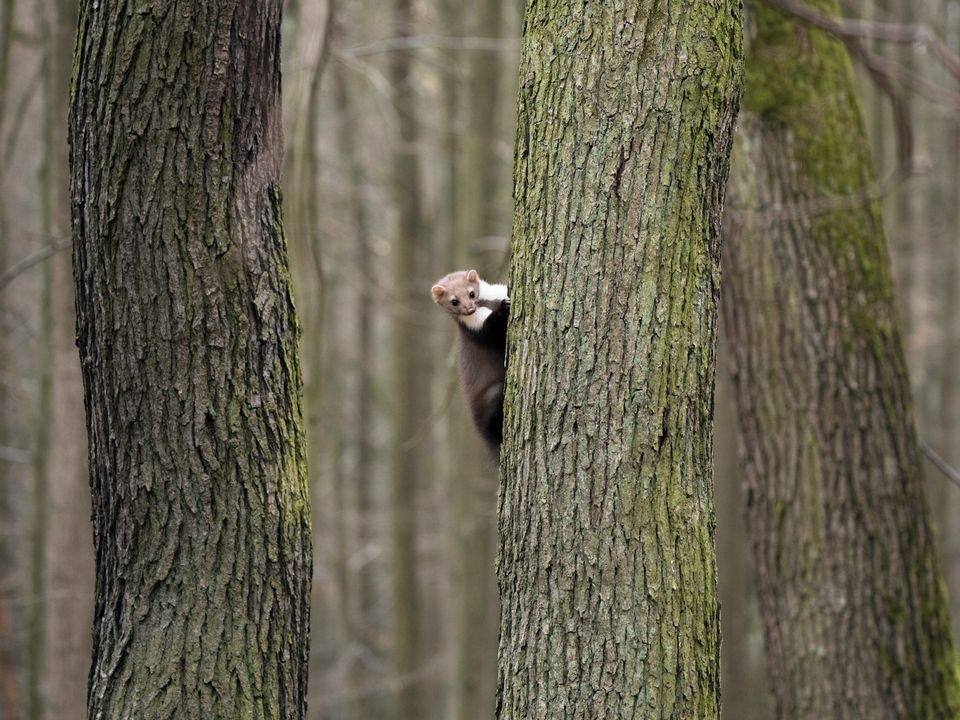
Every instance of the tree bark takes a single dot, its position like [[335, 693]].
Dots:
[[607, 569], [188, 347], [855, 620]]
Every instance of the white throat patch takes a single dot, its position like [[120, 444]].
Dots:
[[475, 322]]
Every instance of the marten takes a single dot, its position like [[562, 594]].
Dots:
[[481, 310]]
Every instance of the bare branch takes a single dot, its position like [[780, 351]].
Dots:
[[951, 473], [25, 37], [887, 76], [14, 455], [900, 33], [32, 259], [440, 42]]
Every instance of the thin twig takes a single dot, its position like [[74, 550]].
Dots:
[[822, 204], [439, 42], [32, 259], [886, 76], [951, 473], [899, 33], [14, 455]]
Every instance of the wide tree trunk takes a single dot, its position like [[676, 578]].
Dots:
[[188, 347], [855, 620], [607, 571]]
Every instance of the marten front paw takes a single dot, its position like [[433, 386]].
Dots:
[[505, 305]]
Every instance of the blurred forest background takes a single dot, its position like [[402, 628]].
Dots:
[[399, 142]]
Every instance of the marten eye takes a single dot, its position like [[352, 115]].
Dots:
[[454, 302], [472, 294]]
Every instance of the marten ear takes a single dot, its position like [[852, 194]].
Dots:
[[438, 291], [472, 276]]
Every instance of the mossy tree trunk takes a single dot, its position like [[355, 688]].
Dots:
[[188, 348], [855, 620], [607, 570]]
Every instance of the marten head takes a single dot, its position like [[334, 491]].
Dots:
[[457, 293]]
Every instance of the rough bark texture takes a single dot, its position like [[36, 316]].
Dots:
[[607, 572], [856, 624], [188, 347]]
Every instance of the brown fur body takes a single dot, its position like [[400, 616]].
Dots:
[[482, 312]]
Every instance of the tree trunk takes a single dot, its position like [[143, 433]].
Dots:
[[473, 482], [411, 405], [745, 695], [36, 616], [188, 348], [36, 612], [855, 621], [69, 562], [362, 618], [9, 435], [481, 166], [905, 239], [607, 571], [949, 390]]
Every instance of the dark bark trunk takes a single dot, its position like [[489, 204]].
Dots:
[[188, 347], [607, 570], [855, 621]]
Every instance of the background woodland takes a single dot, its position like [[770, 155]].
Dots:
[[399, 123]]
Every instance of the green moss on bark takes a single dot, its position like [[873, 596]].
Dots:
[[855, 619], [188, 346], [606, 570]]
